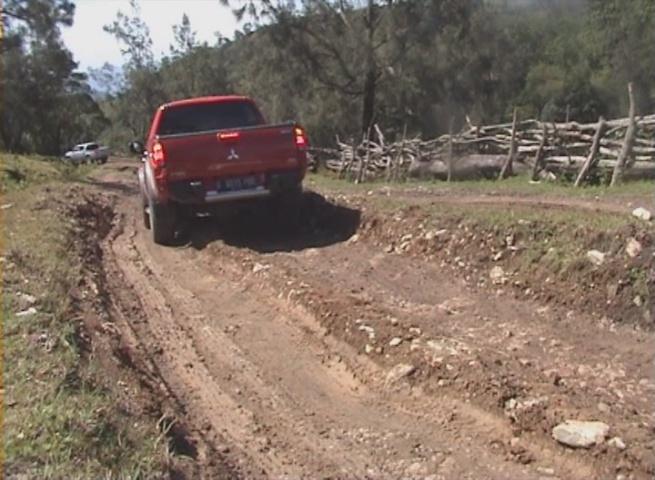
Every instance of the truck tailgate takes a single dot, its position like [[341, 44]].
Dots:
[[224, 154]]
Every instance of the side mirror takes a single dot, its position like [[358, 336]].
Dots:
[[136, 147]]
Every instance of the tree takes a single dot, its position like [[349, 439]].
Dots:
[[43, 94], [185, 38], [346, 46], [143, 91], [622, 38]]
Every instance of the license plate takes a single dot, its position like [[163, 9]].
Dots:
[[237, 183]]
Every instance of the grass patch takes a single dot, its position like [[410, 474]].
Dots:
[[58, 422], [22, 171], [518, 185]]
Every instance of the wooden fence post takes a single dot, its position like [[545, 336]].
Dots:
[[539, 155], [591, 160], [363, 163], [628, 142], [450, 151], [507, 169]]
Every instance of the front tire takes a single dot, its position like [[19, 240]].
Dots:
[[162, 223]]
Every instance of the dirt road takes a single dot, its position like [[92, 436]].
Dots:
[[321, 355]]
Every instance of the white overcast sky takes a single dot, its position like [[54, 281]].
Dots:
[[92, 46]]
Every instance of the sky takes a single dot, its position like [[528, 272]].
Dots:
[[92, 46]]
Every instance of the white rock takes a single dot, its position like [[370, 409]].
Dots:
[[26, 313], [395, 341], [580, 434], [399, 372], [642, 214], [258, 267], [27, 298], [633, 248], [616, 442], [596, 257], [441, 348], [366, 328], [432, 234], [497, 275]]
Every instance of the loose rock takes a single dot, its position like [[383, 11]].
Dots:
[[395, 341], [596, 257], [26, 313], [399, 372], [642, 214], [26, 298], [258, 267], [432, 234], [580, 434], [616, 442], [633, 248], [497, 275]]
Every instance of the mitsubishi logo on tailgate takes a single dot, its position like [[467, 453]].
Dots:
[[233, 155]]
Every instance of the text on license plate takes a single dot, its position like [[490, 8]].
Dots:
[[237, 183]]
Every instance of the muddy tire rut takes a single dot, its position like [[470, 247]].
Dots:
[[276, 354]]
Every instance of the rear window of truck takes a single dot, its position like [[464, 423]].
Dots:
[[208, 116]]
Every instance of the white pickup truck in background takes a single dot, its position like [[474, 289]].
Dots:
[[87, 152]]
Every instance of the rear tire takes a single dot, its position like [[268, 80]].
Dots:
[[145, 210], [162, 223]]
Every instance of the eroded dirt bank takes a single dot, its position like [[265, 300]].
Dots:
[[352, 350]]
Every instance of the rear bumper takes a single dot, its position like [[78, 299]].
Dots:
[[195, 192]]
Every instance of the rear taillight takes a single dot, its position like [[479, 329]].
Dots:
[[158, 156], [229, 136], [158, 162], [300, 137]]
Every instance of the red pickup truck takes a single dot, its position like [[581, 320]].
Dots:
[[205, 151]]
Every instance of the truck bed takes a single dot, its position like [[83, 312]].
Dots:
[[227, 164]]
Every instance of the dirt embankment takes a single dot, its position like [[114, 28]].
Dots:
[[377, 343], [104, 334]]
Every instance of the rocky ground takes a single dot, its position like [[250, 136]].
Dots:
[[424, 337]]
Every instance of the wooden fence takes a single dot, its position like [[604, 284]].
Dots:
[[549, 149]]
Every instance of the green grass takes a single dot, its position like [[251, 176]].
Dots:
[[518, 185], [22, 171], [59, 421]]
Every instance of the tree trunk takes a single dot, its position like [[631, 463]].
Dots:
[[628, 142], [371, 79], [507, 169], [593, 153], [368, 101]]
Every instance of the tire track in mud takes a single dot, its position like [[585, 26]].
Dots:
[[599, 366], [259, 379], [264, 377]]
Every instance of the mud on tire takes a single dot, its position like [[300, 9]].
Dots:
[[162, 223]]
